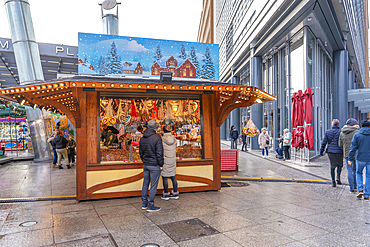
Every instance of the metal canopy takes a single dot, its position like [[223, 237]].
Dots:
[[55, 59], [361, 98]]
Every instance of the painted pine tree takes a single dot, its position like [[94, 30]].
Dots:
[[114, 65], [193, 58], [182, 52], [103, 67], [158, 54], [208, 68]]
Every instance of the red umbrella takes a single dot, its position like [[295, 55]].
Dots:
[[299, 135], [308, 118], [294, 114]]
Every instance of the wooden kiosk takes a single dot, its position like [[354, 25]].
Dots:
[[81, 97]]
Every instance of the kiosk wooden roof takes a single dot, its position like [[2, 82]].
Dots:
[[61, 94]]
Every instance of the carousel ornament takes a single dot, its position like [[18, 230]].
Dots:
[[155, 111], [144, 111], [169, 118]]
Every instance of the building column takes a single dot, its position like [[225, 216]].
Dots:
[[340, 97], [351, 85], [256, 109], [235, 114]]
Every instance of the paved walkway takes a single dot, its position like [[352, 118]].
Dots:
[[260, 214]]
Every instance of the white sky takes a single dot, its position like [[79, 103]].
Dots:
[[58, 22]]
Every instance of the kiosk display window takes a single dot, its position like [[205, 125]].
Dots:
[[124, 120]]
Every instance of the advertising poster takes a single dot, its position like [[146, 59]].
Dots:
[[100, 54]]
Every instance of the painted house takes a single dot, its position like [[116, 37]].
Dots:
[[178, 67], [131, 68]]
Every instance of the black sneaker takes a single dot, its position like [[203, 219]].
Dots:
[[68, 167], [153, 209], [60, 167], [339, 182], [166, 196], [334, 184], [174, 195]]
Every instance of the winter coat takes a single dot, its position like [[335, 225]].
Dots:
[[169, 151], [59, 142], [234, 134], [151, 149], [262, 138], [50, 140], [361, 144], [72, 146], [331, 138], [345, 139], [244, 138], [287, 136]]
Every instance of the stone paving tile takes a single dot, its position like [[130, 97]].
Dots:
[[360, 233], [128, 222], [226, 222], [258, 236], [205, 209], [262, 215], [332, 240], [293, 244], [117, 211], [29, 238], [77, 225], [109, 202], [71, 191], [71, 207], [295, 229], [292, 210], [94, 242], [217, 240], [135, 237], [168, 215]]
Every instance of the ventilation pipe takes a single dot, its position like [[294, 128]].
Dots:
[[109, 18], [26, 50]]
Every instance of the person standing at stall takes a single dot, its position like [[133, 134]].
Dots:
[[231, 139], [234, 138], [50, 140], [71, 149], [61, 147], [169, 166], [151, 153], [287, 142], [244, 140], [264, 142], [335, 153]]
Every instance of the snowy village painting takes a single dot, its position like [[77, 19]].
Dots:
[[100, 54]]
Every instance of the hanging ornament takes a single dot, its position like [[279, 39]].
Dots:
[[155, 111], [161, 111]]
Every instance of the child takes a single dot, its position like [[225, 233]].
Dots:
[[71, 149], [169, 167]]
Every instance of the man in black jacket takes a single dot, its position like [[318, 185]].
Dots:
[[151, 153], [60, 144]]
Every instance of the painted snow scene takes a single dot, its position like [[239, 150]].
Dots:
[[100, 54]]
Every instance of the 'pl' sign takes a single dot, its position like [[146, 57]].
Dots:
[[100, 54]]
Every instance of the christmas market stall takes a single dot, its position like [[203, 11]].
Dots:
[[110, 114]]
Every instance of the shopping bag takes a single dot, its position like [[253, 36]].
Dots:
[[250, 129]]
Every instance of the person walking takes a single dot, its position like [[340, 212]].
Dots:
[[335, 153], [60, 144], [50, 140], [151, 153], [345, 139], [169, 166], [287, 142], [244, 140], [71, 149], [361, 144], [264, 142], [234, 138], [231, 139]]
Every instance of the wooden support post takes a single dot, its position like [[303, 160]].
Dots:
[[81, 145]]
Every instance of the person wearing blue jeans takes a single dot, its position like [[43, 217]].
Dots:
[[264, 142], [151, 153], [361, 144], [345, 139], [230, 138]]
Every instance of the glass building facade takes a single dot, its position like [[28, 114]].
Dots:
[[286, 48]]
